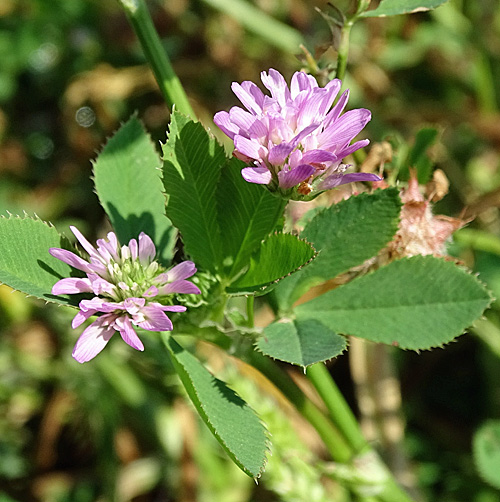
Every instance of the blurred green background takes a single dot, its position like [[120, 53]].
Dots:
[[119, 428]]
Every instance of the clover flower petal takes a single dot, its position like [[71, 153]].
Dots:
[[94, 339], [293, 139], [129, 286], [72, 285]]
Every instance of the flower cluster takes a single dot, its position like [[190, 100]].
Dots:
[[127, 283], [294, 138]]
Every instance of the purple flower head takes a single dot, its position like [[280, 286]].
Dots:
[[130, 289], [294, 139]]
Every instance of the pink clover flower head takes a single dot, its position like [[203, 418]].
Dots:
[[130, 288], [294, 139]]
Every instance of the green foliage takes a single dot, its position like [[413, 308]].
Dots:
[[395, 7], [486, 447], [293, 469], [222, 218], [233, 423], [417, 156], [247, 214], [27, 46], [25, 262], [278, 256], [301, 342], [127, 181], [345, 234], [415, 303], [192, 165], [55, 44]]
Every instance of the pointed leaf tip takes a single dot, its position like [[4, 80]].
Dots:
[[128, 183], [301, 342]]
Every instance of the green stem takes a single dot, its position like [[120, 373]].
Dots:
[[250, 316], [340, 413], [344, 419], [219, 306], [170, 85], [343, 50], [393, 492], [334, 442], [488, 333]]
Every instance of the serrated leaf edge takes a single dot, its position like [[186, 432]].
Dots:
[[304, 367], [49, 224], [216, 433], [463, 270], [268, 285], [105, 144], [211, 136]]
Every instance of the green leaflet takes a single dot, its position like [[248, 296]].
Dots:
[[128, 183], [395, 7], [345, 235], [230, 419], [278, 256], [414, 303], [300, 342], [192, 165], [221, 217], [247, 214], [25, 262], [486, 449]]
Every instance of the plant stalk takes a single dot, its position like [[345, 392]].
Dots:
[[331, 436], [250, 310], [340, 413], [334, 442], [168, 82], [343, 49]]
